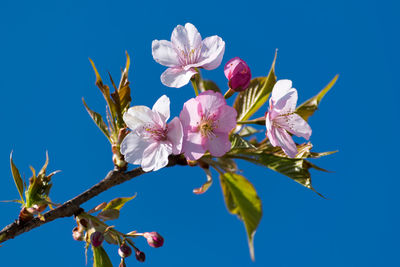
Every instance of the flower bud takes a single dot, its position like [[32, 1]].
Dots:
[[154, 239], [140, 256], [96, 239], [124, 251], [238, 73], [77, 234]]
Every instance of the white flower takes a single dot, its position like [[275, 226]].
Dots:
[[152, 140], [185, 52]]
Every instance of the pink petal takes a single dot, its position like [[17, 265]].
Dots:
[[175, 135], [218, 145], [210, 102], [164, 53], [226, 119], [177, 77], [162, 107], [180, 39], [194, 37], [295, 124], [192, 145], [270, 130], [190, 115], [212, 53], [285, 142], [286, 104], [132, 147], [155, 156]]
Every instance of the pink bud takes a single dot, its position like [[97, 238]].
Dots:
[[96, 239], [238, 73], [140, 256], [154, 239], [124, 251]]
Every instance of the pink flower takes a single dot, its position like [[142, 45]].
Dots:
[[152, 140], [281, 118], [154, 239], [185, 52], [238, 73], [207, 121]]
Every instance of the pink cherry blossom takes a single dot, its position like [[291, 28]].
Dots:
[[185, 52], [238, 73], [281, 118], [152, 140], [207, 121]]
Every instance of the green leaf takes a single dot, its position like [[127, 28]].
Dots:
[[238, 142], [209, 85], [17, 179], [249, 101], [100, 257], [241, 199], [308, 108], [248, 131], [108, 214], [227, 164], [118, 203], [98, 120]]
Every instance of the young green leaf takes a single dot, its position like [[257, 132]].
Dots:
[[100, 257], [98, 120], [237, 142], [17, 179], [108, 214], [241, 199], [209, 85], [118, 203], [308, 108], [249, 101]]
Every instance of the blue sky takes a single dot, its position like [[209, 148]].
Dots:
[[45, 72]]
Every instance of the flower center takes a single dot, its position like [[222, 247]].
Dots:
[[157, 133], [188, 57], [207, 127]]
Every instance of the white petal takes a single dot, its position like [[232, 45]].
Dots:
[[295, 124], [164, 53], [132, 147], [155, 156], [280, 89], [179, 39], [193, 36], [175, 135], [177, 77], [162, 107], [212, 53], [137, 117]]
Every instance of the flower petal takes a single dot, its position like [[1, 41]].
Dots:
[[210, 102], [164, 53], [212, 53], [270, 130], [192, 145], [226, 119], [285, 142], [295, 124], [162, 107], [137, 117], [132, 147], [218, 145], [155, 156], [177, 77], [193, 35], [190, 115], [280, 89], [180, 40], [175, 135]]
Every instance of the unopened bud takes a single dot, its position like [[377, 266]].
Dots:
[[96, 239], [77, 234], [154, 239], [124, 251], [140, 256], [238, 73]]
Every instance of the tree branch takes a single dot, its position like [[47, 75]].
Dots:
[[72, 206]]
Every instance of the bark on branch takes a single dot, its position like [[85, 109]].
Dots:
[[72, 206]]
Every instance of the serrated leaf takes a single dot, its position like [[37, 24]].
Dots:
[[17, 179], [209, 85], [118, 203], [108, 214], [206, 185], [241, 199], [308, 108], [98, 120], [100, 257], [237, 142], [249, 101]]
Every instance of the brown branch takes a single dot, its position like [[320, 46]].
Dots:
[[72, 207]]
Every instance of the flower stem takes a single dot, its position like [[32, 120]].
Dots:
[[194, 84]]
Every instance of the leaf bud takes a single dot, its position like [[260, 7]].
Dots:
[[238, 73], [96, 238], [154, 239], [124, 251]]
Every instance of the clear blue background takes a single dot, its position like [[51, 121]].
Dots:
[[44, 73]]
